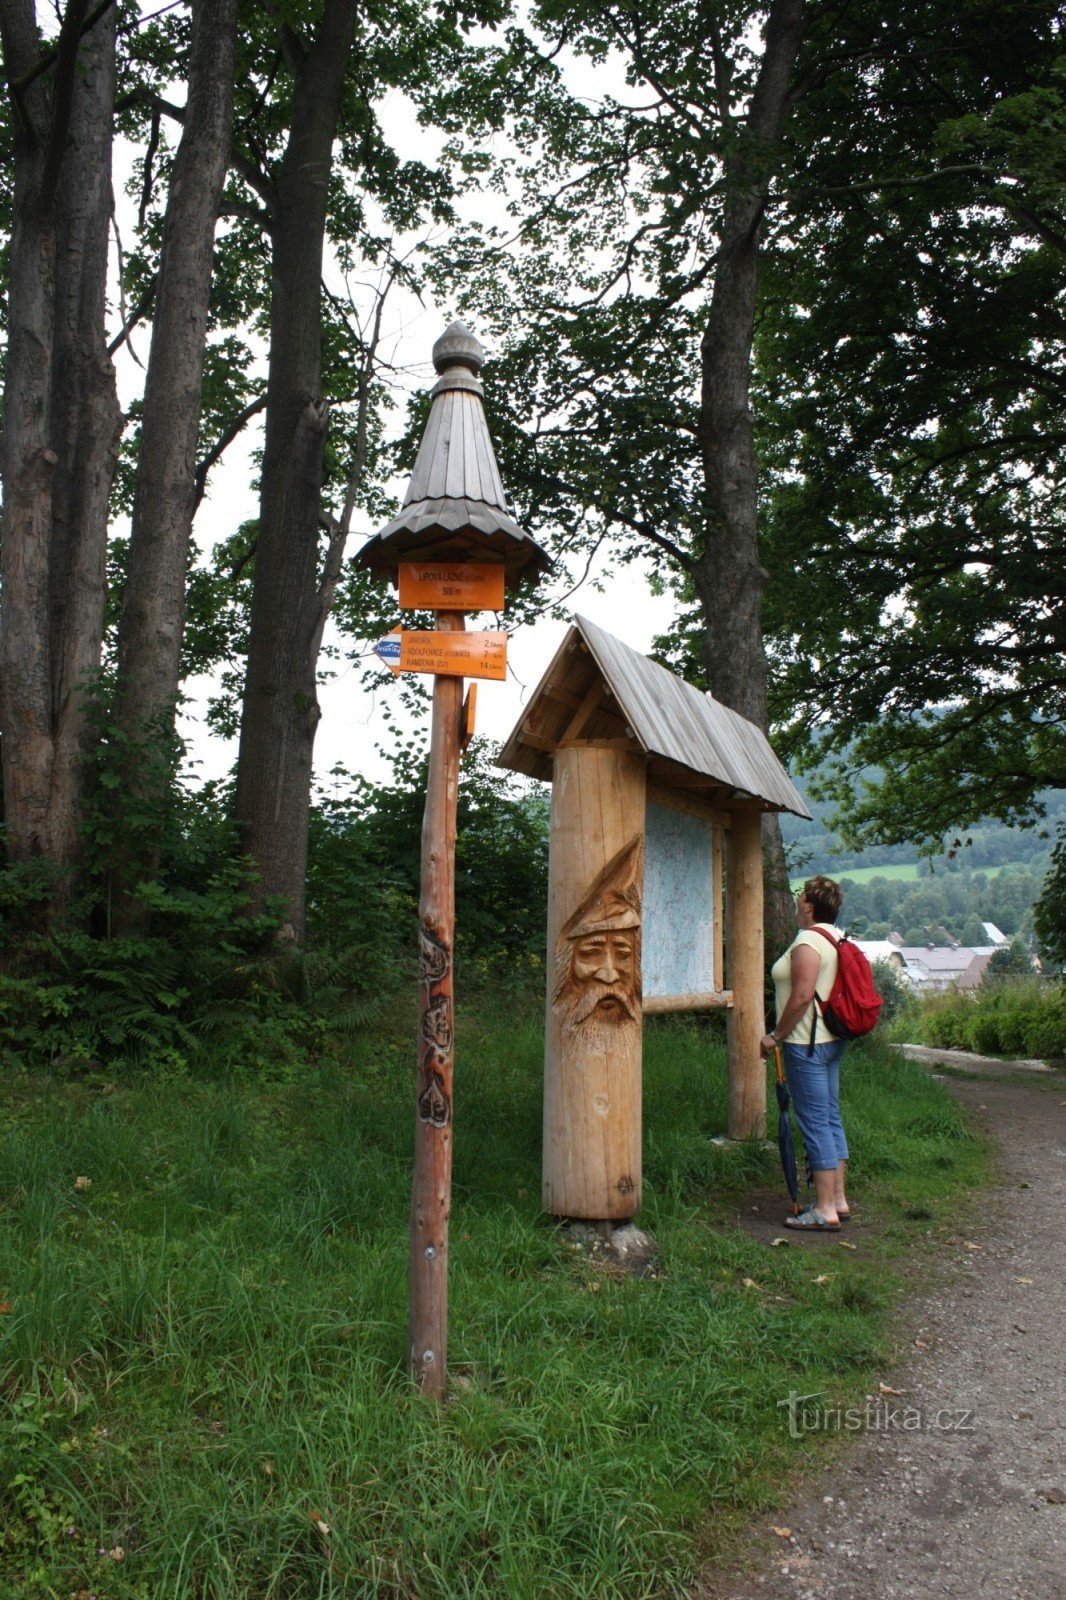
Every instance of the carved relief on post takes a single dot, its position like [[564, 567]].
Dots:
[[436, 1030], [597, 987]]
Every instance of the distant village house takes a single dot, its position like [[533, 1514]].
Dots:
[[930, 967]]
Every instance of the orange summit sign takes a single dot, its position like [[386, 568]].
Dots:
[[450, 586]]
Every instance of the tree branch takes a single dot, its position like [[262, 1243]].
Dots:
[[51, 56], [292, 46], [341, 528], [139, 312], [650, 76], [225, 439], [66, 62], [149, 159], [253, 175]]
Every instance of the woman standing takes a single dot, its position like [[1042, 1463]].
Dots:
[[805, 972]]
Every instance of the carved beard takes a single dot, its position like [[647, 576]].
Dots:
[[588, 997]]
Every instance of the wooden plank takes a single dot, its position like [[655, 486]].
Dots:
[[584, 711], [717, 906], [420, 486], [693, 804], [747, 1022], [455, 466], [536, 741], [489, 471], [598, 744], [563, 696], [665, 1004]]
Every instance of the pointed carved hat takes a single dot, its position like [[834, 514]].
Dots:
[[614, 901]]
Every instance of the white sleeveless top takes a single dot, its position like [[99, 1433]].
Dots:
[[781, 972]]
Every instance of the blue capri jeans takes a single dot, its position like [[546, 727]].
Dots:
[[814, 1082]]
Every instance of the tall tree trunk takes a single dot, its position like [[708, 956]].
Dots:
[[153, 614], [280, 712], [61, 424], [150, 629], [729, 577]]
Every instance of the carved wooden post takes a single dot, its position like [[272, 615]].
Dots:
[[592, 1067], [746, 1025], [454, 513], [431, 1195]]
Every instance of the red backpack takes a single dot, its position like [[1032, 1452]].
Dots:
[[853, 1005]]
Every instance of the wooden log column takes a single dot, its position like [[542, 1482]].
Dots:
[[427, 1327], [592, 1068], [747, 1023]]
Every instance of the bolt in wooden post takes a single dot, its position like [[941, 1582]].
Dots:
[[746, 1023], [431, 1199]]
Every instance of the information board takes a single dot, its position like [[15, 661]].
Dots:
[[677, 948]]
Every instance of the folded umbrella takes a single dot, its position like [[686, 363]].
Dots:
[[785, 1141]]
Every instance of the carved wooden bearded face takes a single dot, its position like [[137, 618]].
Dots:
[[597, 956], [603, 972]]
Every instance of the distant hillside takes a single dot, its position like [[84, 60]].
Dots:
[[995, 875]]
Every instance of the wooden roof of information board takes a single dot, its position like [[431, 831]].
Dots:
[[597, 689]]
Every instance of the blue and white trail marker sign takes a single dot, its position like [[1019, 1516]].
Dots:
[[388, 650]]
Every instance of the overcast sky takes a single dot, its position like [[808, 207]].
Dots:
[[352, 723]]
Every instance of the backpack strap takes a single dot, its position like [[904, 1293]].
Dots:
[[814, 1007]]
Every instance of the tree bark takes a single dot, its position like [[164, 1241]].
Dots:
[[152, 621], [280, 711], [728, 576], [61, 426]]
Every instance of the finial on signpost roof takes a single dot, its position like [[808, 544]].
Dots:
[[455, 508]]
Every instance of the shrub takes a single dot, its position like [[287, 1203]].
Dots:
[[1022, 1016], [900, 1001]]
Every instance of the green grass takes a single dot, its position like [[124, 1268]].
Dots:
[[907, 872], [201, 1352]]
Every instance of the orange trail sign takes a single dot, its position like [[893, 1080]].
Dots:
[[449, 655], [450, 586]]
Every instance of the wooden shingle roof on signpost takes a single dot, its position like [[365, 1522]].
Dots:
[[597, 689], [455, 508]]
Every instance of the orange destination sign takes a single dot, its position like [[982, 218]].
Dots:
[[450, 586], [453, 655]]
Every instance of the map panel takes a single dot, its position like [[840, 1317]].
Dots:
[[677, 955]]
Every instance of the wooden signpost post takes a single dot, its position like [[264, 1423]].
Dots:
[[452, 548], [431, 1197]]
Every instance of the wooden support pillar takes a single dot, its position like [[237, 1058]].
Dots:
[[592, 1067], [431, 1200], [747, 1023]]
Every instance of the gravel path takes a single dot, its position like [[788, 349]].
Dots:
[[973, 1508]]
